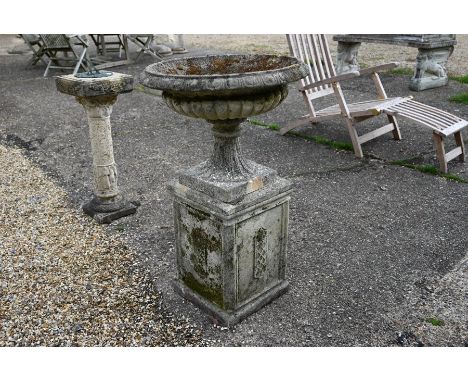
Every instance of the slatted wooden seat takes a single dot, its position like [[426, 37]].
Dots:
[[323, 81]]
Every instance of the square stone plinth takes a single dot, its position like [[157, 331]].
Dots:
[[231, 258], [229, 191]]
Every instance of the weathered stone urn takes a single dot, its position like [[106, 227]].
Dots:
[[231, 214]]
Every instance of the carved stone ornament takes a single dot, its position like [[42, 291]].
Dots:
[[231, 214], [97, 96]]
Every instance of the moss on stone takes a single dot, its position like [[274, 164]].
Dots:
[[212, 293], [202, 244], [198, 214]]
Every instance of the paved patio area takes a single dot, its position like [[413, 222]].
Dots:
[[377, 252]]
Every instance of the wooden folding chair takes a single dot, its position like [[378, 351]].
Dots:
[[322, 81], [61, 49], [109, 43], [144, 41], [37, 46]]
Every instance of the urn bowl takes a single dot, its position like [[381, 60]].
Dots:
[[221, 87]]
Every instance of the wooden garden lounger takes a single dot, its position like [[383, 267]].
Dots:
[[323, 81]]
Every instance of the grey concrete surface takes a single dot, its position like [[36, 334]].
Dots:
[[373, 247]]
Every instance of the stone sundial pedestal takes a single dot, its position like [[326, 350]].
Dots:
[[97, 96], [231, 214]]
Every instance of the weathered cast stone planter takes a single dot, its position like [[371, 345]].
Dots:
[[97, 95], [231, 214]]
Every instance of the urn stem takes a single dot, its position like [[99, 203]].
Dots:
[[227, 157]]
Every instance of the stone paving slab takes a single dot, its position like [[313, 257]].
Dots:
[[366, 237]]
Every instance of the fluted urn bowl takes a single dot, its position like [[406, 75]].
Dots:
[[225, 90], [224, 86]]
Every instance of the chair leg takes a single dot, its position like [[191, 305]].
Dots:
[[295, 124], [142, 45], [396, 131], [80, 60], [354, 138], [440, 151], [459, 141], [140, 52], [125, 45], [47, 69]]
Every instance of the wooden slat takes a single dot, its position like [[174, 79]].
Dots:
[[446, 118], [416, 116], [311, 78], [440, 151], [306, 96], [364, 113], [320, 93], [341, 100], [423, 115], [443, 122], [434, 111], [295, 124], [294, 51], [388, 103], [457, 151], [303, 56], [318, 61], [459, 140], [326, 54], [376, 133], [113, 64], [360, 107], [378, 86], [454, 128], [330, 80], [311, 58], [320, 118]]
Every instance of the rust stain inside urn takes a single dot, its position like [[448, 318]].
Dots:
[[198, 66]]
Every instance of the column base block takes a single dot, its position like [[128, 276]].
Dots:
[[111, 212]]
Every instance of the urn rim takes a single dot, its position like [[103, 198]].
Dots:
[[281, 70]]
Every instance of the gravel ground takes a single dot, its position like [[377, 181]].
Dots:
[[63, 280], [435, 314]]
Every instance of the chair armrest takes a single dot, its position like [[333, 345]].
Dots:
[[340, 77], [379, 68]]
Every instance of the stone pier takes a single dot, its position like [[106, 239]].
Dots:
[[97, 96], [231, 224]]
